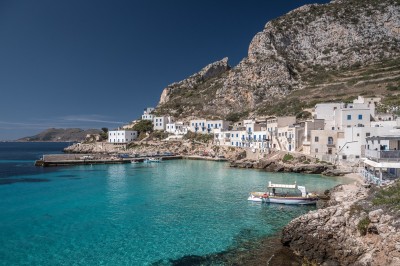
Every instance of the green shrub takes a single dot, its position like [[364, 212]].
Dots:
[[143, 126], [288, 157], [234, 117], [205, 138], [389, 196], [363, 226], [392, 87]]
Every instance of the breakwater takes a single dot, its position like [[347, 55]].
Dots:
[[91, 159]]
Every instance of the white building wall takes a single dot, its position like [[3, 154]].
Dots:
[[160, 122], [122, 136], [147, 114], [177, 128], [211, 125], [326, 111], [198, 126], [353, 117]]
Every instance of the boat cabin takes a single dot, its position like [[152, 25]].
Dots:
[[284, 190]]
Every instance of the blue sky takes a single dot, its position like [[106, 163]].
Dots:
[[93, 64]]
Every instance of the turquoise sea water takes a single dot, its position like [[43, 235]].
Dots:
[[135, 214]]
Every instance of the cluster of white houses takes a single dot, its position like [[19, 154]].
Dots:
[[336, 132]]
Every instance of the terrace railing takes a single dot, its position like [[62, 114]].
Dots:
[[386, 155]]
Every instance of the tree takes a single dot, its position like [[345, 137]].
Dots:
[[104, 134], [143, 126]]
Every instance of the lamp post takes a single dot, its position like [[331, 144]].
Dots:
[[344, 145]]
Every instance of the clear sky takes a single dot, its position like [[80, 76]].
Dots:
[[93, 64]]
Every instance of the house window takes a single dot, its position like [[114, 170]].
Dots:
[[316, 150], [358, 134], [330, 151], [316, 139], [359, 117], [330, 140], [344, 157], [368, 134], [348, 117], [237, 135]]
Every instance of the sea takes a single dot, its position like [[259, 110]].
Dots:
[[133, 214]]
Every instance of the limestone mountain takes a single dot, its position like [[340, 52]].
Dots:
[[315, 53], [61, 134]]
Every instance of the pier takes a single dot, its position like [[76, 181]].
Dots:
[[90, 159]]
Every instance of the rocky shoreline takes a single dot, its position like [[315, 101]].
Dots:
[[292, 163], [350, 231], [238, 158]]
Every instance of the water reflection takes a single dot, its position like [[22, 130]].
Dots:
[[116, 184]]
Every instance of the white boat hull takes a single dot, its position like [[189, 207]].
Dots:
[[263, 197]]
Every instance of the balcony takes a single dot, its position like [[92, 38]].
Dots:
[[330, 144], [386, 155]]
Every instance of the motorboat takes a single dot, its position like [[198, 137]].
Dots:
[[153, 160], [284, 194]]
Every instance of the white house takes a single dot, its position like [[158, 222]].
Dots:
[[147, 114], [121, 136], [382, 158], [160, 122], [211, 125], [352, 115], [177, 128]]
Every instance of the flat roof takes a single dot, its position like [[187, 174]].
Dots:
[[382, 164], [383, 138]]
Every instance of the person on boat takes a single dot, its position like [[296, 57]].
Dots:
[[273, 191]]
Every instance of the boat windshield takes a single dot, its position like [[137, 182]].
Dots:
[[285, 192]]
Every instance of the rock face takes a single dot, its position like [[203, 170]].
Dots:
[[210, 71], [276, 162], [289, 53], [344, 233]]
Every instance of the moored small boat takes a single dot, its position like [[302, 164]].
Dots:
[[284, 194], [153, 160]]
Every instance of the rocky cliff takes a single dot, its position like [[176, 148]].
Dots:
[[353, 230], [330, 52]]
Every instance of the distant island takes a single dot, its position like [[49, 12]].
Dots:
[[61, 135]]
